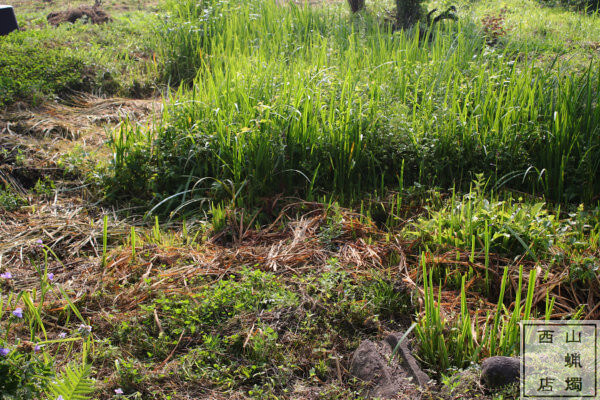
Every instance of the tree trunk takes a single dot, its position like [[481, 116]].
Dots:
[[408, 12], [356, 5]]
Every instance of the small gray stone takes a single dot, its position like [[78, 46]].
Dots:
[[369, 365], [500, 371]]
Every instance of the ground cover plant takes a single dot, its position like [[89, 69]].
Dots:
[[181, 313], [306, 177]]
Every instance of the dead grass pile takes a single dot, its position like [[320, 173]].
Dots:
[[291, 245], [32, 141], [71, 232], [76, 116], [288, 246], [305, 237], [552, 282], [94, 15]]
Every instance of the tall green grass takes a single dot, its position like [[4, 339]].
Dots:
[[289, 99], [456, 341]]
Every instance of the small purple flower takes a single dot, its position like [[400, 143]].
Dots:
[[4, 352], [6, 275], [62, 335], [18, 312], [84, 329], [37, 348], [119, 391], [60, 397], [39, 243], [50, 276]]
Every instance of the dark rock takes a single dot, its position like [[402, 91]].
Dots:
[[500, 371], [369, 365], [407, 359]]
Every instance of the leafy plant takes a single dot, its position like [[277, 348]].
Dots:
[[44, 187], [23, 375], [493, 27], [489, 224], [27, 364], [10, 201], [74, 383]]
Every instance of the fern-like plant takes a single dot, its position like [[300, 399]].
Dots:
[[74, 384]]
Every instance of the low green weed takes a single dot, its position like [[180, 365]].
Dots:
[[230, 361], [486, 223], [44, 187], [45, 61], [387, 299], [254, 291], [10, 201], [77, 162], [28, 74]]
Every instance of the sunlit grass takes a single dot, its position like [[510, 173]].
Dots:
[[294, 100]]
